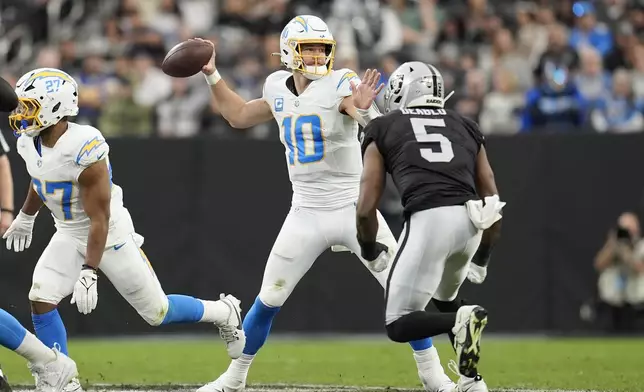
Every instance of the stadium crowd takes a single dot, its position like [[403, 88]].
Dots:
[[515, 67]]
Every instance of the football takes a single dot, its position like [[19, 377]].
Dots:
[[186, 58]]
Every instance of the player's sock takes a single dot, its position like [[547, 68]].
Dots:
[[51, 330], [183, 309], [15, 337], [420, 325], [34, 351], [421, 345], [238, 368], [12, 333], [257, 325]]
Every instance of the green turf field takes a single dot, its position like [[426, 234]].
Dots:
[[557, 364]]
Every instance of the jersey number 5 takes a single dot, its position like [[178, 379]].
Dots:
[[305, 138], [439, 148]]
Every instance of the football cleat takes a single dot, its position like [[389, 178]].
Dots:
[[230, 330], [470, 322], [55, 375]]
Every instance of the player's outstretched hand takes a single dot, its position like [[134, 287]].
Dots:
[[366, 92], [85, 291], [377, 258], [20, 232], [209, 68]]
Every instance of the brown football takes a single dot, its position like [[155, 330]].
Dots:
[[186, 58]]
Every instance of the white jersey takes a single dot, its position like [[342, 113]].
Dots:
[[54, 175], [322, 148]]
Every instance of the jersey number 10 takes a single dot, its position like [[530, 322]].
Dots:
[[305, 138], [439, 148]]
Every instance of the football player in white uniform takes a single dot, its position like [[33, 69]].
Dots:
[[71, 175], [318, 110]]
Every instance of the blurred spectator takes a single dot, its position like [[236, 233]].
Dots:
[[419, 25], [621, 54], [559, 53], [121, 115], [48, 57], [470, 102], [588, 32], [592, 81], [620, 264], [504, 55], [93, 83], [532, 36], [151, 85], [501, 108], [618, 112], [179, 115], [638, 71], [555, 105]]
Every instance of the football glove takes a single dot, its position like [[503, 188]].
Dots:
[[85, 291], [20, 232], [377, 256], [476, 273]]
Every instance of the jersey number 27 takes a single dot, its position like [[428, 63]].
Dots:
[[438, 147]]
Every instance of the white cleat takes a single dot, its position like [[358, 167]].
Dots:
[[224, 383], [432, 374], [56, 375], [468, 384], [74, 386], [230, 330]]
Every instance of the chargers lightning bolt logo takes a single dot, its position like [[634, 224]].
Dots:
[[89, 146]]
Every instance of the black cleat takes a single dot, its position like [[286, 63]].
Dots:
[[470, 322]]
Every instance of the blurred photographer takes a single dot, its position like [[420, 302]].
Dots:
[[620, 264]]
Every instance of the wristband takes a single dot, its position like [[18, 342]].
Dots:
[[213, 78], [88, 267], [6, 210]]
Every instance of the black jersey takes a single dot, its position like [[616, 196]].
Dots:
[[430, 153]]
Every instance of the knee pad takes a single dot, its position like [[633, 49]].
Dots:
[[275, 295], [45, 293], [155, 311], [394, 332]]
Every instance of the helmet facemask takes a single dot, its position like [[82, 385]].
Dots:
[[321, 64]]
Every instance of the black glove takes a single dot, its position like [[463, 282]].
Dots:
[[371, 251]]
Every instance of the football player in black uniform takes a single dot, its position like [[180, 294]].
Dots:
[[438, 162]]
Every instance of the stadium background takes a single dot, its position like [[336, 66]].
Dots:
[[210, 199]]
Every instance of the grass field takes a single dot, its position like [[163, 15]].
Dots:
[[507, 364]]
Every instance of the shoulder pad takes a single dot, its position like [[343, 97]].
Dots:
[[274, 79], [89, 146], [342, 81]]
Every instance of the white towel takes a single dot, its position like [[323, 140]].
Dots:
[[484, 216]]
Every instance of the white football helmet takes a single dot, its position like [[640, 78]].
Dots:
[[306, 29], [415, 84], [45, 96]]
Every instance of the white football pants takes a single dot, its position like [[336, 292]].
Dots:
[[305, 235]]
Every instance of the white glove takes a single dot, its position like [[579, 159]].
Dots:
[[476, 273], [381, 262], [20, 231], [85, 291]]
